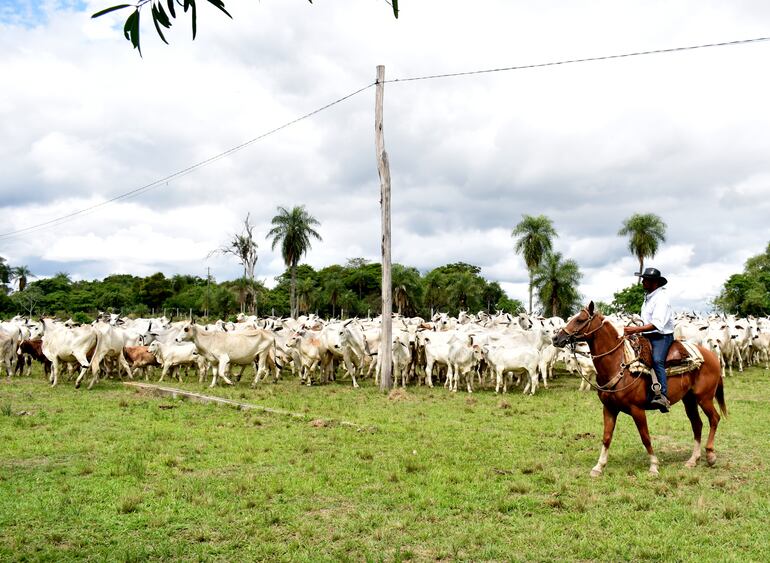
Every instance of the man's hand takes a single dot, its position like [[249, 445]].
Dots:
[[628, 330]]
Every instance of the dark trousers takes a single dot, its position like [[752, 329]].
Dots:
[[660, 345]]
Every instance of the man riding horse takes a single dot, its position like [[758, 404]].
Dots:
[[658, 327]]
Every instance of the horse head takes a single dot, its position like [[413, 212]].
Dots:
[[579, 327]]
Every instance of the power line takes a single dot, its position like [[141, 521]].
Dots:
[[176, 175], [589, 59], [190, 169]]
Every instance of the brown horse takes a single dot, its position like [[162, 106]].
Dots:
[[622, 391]]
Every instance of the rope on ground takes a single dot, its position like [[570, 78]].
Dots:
[[175, 393]]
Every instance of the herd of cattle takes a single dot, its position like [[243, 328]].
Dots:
[[476, 349]]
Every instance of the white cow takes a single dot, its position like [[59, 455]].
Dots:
[[109, 344], [176, 355], [63, 344], [225, 348], [504, 359]]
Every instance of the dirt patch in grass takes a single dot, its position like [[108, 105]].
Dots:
[[398, 394]]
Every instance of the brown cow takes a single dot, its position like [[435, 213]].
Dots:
[[32, 349], [140, 357]]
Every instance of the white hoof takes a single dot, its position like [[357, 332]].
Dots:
[[691, 463], [596, 472], [711, 458], [654, 471]]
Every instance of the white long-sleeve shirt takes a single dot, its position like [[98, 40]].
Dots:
[[656, 310]]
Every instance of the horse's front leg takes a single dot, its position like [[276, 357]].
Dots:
[[640, 418], [610, 418]]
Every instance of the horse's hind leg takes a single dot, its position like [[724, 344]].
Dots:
[[710, 411], [640, 419], [610, 418], [690, 403]]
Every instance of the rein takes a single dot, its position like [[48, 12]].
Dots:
[[608, 387]]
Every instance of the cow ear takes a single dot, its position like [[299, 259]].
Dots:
[[591, 308]]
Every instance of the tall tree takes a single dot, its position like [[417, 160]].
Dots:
[[645, 231], [5, 275], [407, 289], [22, 274], [557, 285], [332, 290], [534, 239], [293, 230], [244, 248]]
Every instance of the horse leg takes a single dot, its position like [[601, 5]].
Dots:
[[640, 419], [610, 418], [690, 403], [710, 411]]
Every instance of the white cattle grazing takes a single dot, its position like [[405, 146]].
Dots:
[[504, 359], [462, 360], [305, 349], [548, 358], [63, 344], [354, 348], [436, 346], [225, 348], [8, 346], [176, 355], [581, 363], [109, 344], [401, 356]]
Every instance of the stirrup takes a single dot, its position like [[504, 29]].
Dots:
[[656, 389]]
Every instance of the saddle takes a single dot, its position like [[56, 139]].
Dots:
[[681, 358]]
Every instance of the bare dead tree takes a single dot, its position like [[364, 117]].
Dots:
[[243, 247]]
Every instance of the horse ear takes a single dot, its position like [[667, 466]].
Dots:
[[591, 308]]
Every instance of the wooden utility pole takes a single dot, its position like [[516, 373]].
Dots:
[[383, 168]]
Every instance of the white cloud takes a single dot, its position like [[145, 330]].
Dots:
[[684, 135]]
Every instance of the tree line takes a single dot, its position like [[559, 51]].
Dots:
[[353, 289], [348, 290]]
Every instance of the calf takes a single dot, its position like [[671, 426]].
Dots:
[[139, 357], [33, 348]]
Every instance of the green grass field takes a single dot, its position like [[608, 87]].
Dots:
[[111, 474]]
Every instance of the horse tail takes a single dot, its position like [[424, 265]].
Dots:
[[720, 397]]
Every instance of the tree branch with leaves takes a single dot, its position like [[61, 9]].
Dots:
[[164, 12]]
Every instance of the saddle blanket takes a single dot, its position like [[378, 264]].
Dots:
[[693, 362]]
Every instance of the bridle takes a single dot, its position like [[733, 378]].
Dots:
[[575, 334]]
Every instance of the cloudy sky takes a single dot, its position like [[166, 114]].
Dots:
[[84, 119]]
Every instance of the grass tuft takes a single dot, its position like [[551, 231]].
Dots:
[[6, 409], [129, 504]]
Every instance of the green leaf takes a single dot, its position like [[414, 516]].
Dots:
[[131, 30], [221, 5], [162, 17], [112, 9], [156, 19], [171, 8], [191, 4], [395, 8]]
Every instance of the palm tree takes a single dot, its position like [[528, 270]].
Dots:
[[333, 288], [533, 241], [645, 232], [5, 275], [464, 289], [407, 289], [557, 283], [305, 294], [293, 230], [22, 273]]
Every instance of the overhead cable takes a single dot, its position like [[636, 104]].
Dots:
[[585, 60], [176, 175]]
